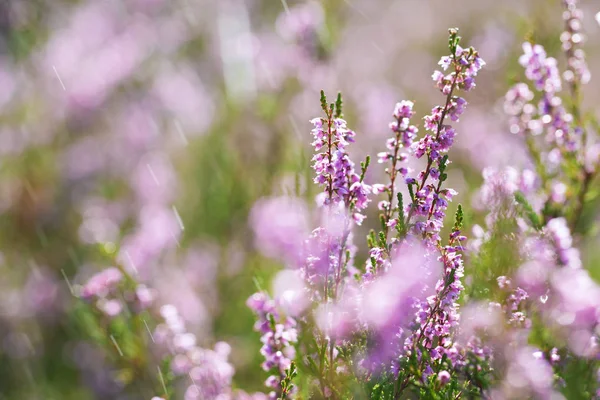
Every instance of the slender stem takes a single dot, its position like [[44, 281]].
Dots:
[[580, 202], [437, 135], [387, 214]]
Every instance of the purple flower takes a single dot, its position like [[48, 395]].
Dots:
[[280, 226], [278, 338], [443, 377]]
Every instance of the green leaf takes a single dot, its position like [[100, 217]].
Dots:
[[528, 211], [338, 106], [458, 218]]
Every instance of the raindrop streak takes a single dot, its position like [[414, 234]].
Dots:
[[162, 379], [60, 80], [178, 218], [180, 130], [356, 9], [131, 263], [175, 239], [148, 329], [67, 280], [153, 175], [378, 48], [116, 345], [285, 6], [194, 382]]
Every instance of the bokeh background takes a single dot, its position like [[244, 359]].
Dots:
[[144, 131]]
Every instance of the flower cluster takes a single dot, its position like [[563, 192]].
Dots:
[[103, 289], [333, 167], [404, 135], [407, 321], [552, 115], [278, 340], [572, 39], [429, 201], [209, 370]]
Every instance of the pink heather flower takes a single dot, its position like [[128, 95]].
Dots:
[[443, 377], [533, 276], [477, 318], [301, 21], [280, 226], [504, 282], [181, 365], [291, 293], [278, 338], [572, 40], [101, 284], [576, 298], [560, 236], [334, 170], [539, 68], [145, 296]]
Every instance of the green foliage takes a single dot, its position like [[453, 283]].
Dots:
[[528, 211]]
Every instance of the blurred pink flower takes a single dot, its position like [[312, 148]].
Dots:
[[280, 227]]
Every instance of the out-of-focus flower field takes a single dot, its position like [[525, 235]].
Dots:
[[152, 135]]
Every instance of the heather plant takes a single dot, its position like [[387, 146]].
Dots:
[[405, 322], [382, 286]]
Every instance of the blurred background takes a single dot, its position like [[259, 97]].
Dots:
[[143, 132]]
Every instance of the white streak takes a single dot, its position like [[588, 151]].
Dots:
[[357, 10], [131, 263], [180, 130], [194, 382], [60, 80], [175, 239], [116, 345], [149, 332], [377, 47], [67, 280], [178, 218], [285, 6], [153, 175], [162, 379]]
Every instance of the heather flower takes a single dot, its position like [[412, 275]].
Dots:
[[388, 305], [430, 200], [522, 113], [443, 377], [560, 236], [302, 25], [572, 39], [404, 134], [528, 375], [102, 284], [280, 227], [552, 116], [209, 370], [334, 170], [278, 338]]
